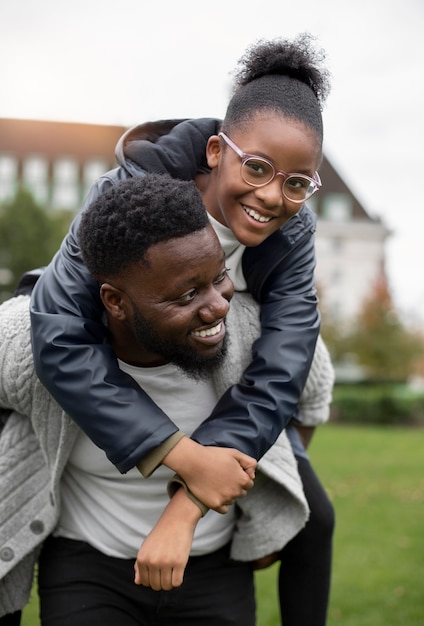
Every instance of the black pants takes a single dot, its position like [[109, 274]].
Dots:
[[305, 572], [80, 586]]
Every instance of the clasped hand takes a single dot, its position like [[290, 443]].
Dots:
[[216, 476]]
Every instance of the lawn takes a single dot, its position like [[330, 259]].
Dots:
[[375, 478]]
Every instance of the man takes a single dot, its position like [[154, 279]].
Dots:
[[166, 294]]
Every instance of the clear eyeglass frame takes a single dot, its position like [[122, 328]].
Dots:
[[258, 167]]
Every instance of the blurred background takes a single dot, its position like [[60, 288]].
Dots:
[[74, 76], [110, 67]]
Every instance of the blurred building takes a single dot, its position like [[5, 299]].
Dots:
[[350, 247], [59, 161]]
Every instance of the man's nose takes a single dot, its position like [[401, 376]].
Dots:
[[214, 307]]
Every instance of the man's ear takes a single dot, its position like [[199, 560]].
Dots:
[[114, 300], [213, 151]]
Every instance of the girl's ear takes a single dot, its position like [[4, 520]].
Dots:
[[213, 151], [114, 301]]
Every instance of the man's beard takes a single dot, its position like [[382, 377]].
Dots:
[[185, 358]]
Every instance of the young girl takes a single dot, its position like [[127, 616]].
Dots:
[[255, 170]]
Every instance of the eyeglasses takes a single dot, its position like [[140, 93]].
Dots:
[[258, 172]]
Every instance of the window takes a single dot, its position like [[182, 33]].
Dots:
[[337, 207], [93, 169], [8, 176], [66, 192], [35, 172]]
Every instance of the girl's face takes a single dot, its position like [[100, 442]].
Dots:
[[254, 213]]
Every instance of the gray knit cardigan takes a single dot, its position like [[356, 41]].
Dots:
[[37, 438]]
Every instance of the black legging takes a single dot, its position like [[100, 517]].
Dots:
[[12, 619], [305, 572]]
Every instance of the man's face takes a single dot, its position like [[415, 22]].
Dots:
[[179, 303]]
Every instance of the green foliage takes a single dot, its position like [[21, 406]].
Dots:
[[29, 236], [377, 404], [376, 340]]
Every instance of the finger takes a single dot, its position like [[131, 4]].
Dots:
[[177, 576], [248, 485], [246, 461], [137, 579], [250, 472], [166, 582], [155, 581], [222, 509], [141, 575]]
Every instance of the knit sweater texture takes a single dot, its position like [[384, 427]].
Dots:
[[36, 438]]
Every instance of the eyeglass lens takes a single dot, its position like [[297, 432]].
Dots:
[[258, 172]]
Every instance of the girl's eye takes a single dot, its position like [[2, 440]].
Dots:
[[297, 182], [256, 168]]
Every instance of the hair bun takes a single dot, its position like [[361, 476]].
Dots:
[[297, 58]]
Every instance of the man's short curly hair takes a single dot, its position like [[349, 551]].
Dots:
[[118, 228]]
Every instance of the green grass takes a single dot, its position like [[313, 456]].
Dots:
[[375, 478]]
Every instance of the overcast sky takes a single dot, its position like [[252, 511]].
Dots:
[[131, 61]]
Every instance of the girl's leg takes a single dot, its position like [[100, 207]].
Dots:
[[12, 619], [305, 572]]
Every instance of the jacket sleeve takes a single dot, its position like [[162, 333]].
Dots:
[[79, 368], [254, 412]]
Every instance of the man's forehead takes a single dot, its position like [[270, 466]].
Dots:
[[199, 247], [182, 261]]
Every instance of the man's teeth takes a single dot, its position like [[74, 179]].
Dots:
[[209, 332], [256, 216]]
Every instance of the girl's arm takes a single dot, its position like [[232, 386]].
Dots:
[[280, 274], [77, 365]]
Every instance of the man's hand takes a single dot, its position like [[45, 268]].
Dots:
[[216, 476], [163, 556]]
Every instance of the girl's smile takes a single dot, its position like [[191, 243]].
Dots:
[[254, 213]]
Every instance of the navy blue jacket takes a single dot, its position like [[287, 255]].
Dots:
[[80, 370]]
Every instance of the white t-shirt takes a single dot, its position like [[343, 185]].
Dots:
[[115, 512], [233, 250]]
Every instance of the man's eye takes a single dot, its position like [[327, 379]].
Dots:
[[221, 276], [187, 297]]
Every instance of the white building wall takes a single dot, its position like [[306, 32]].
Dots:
[[350, 257]]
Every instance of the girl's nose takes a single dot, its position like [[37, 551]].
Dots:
[[271, 195]]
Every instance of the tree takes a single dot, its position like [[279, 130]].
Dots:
[[29, 237], [380, 341]]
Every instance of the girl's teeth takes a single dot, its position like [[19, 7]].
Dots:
[[209, 332], [256, 216]]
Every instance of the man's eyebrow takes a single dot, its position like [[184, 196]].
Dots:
[[194, 277]]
